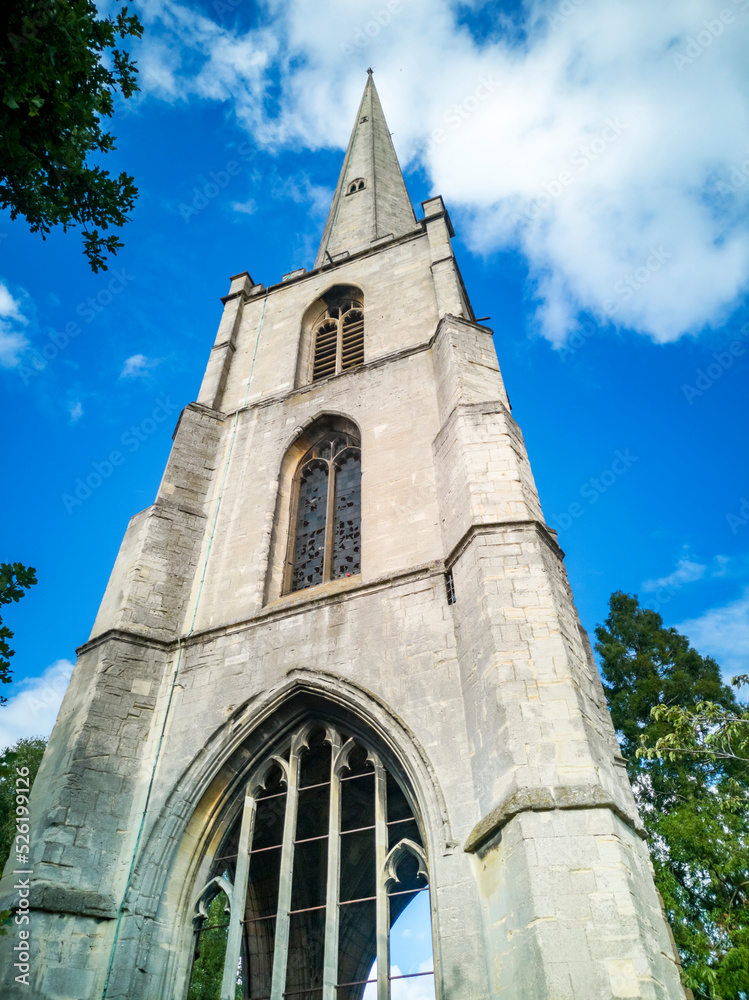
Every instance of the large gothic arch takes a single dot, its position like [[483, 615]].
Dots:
[[175, 861]]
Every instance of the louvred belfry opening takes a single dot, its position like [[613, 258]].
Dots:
[[325, 855], [339, 339]]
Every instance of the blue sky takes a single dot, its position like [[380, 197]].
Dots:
[[594, 156]]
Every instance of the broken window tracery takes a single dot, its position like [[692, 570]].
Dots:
[[323, 858], [327, 520]]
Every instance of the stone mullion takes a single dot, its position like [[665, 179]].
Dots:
[[238, 899], [327, 564], [339, 346], [332, 897], [283, 919], [382, 902]]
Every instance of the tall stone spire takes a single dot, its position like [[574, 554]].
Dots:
[[371, 200]]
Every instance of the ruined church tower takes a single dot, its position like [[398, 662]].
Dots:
[[338, 667]]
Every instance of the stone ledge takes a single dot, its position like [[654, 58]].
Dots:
[[352, 373], [317, 597], [55, 899], [283, 607], [555, 797], [125, 635], [547, 535]]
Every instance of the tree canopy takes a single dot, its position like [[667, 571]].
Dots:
[[15, 579], [708, 730], [24, 753], [60, 67], [694, 806]]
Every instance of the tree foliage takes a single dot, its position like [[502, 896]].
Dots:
[[694, 805], [15, 579], [24, 753], [59, 69], [708, 730], [210, 952]]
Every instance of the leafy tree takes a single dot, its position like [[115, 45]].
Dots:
[[210, 951], [694, 806], [59, 69], [15, 578], [708, 729], [25, 753]]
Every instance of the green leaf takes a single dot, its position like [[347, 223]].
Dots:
[[55, 74]]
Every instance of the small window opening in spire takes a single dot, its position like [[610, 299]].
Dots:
[[365, 118], [356, 185]]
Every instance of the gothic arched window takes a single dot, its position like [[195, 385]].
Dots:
[[339, 338], [325, 542], [323, 857], [357, 185]]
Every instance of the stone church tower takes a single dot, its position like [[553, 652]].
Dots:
[[338, 665]]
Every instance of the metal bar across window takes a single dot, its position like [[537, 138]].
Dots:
[[322, 836], [369, 899], [364, 982], [323, 906], [276, 947], [340, 986]]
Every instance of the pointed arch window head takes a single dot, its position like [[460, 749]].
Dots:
[[326, 853], [326, 523], [339, 338], [356, 185]]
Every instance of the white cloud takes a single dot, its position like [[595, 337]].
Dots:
[[137, 366], [76, 410], [641, 109], [723, 633], [12, 342], [248, 207], [686, 572], [689, 571], [10, 308], [34, 704], [417, 988]]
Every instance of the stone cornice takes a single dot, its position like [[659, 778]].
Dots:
[[547, 799], [492, 527], [385, 359], [284, 607], [414, 234]]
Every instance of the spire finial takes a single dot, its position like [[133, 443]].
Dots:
[[370, 71]]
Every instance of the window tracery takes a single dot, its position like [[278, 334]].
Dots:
[[326, 853], [339, 339], [357, 185], [326, 541]]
